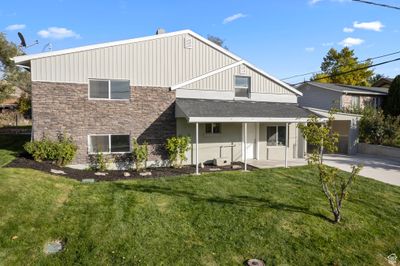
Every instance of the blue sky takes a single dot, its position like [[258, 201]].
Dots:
[[283, 38]]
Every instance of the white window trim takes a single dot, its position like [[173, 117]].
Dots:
[[109, 90], [212, 129], [277, 136], [109, 144]]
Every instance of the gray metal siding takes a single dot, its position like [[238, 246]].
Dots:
[[319, 98], [160, 62], [224, 81]]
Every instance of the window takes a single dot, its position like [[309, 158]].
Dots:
[[109, 143], [109, 89], [355, 101], [242, 86], [213, 128], [276, 135]]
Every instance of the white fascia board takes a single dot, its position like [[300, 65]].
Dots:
[[337, 115], [285, 85], [248, 120], [214, 72], [25, 58]]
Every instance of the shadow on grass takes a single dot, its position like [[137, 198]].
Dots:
[[245, 201]]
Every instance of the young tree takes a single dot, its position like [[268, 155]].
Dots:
[[334, 184], [392, 103], [336, 62]]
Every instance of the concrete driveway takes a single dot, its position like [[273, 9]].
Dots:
[[385, 169]]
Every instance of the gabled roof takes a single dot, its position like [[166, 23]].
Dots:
[[383, 82], [25, 59], [349, 89]]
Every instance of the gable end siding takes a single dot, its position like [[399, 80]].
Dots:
[[160, 62]]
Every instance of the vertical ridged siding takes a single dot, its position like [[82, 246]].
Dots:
[[224, 81], [160, 62]]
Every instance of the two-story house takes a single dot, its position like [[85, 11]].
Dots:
[[155, 87]]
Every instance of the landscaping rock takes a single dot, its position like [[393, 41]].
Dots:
[[53, 247], [100, 173], [235, 166], [215, 169], [145, 174], [254, 262], [127, 174], [58, 172], [202, 165]]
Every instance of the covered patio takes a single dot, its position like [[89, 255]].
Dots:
[[247, 131]]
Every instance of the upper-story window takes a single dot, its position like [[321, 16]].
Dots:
[[242, 86], [109, 89]]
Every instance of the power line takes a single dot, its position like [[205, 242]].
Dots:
[[316, 72], [377, 4], [353, 70]]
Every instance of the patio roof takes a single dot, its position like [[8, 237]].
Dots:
[[201, 110]]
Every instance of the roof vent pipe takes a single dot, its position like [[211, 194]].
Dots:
[[160, 31]]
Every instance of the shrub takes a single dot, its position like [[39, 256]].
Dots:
[[177, 148], [140, 154], [376, 128], [61, 151], [98, 162]]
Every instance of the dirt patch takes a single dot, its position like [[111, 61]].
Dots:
[[156, 172]]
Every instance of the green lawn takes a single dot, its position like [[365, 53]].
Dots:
[[279, 215], [10, 146]]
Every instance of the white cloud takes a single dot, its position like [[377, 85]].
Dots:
[[310, 49], [351, 42], [233, 18], [373, 25], [58, 33], [346, 29], [15, 27]]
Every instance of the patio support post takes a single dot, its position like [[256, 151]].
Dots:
[[197, 148], [245, 146], [286, 145]]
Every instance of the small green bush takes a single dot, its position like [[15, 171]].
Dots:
[[177, 148], [140, 154], [61, 151], [98, 162]]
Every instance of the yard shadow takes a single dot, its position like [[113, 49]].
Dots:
[[238, 200]]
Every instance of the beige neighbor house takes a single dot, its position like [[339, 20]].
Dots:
[[347, 100], [155, 87]]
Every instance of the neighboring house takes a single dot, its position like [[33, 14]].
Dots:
[[343, 97], [383, 83], [323, 97], [155, 87]]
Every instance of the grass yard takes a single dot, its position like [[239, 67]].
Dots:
[[10, 146], [279, 215]]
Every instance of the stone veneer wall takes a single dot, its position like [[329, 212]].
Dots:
[[148, 115], [364, 100]]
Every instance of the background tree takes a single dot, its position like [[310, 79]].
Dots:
[[334, 184], [392, 102], [338, 62], [217, 40], [11, 76], [375, 78]]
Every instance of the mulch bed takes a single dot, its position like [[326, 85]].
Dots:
[[156, 172]]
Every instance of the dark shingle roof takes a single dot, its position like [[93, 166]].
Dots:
[[219, 108], [349, 88]]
